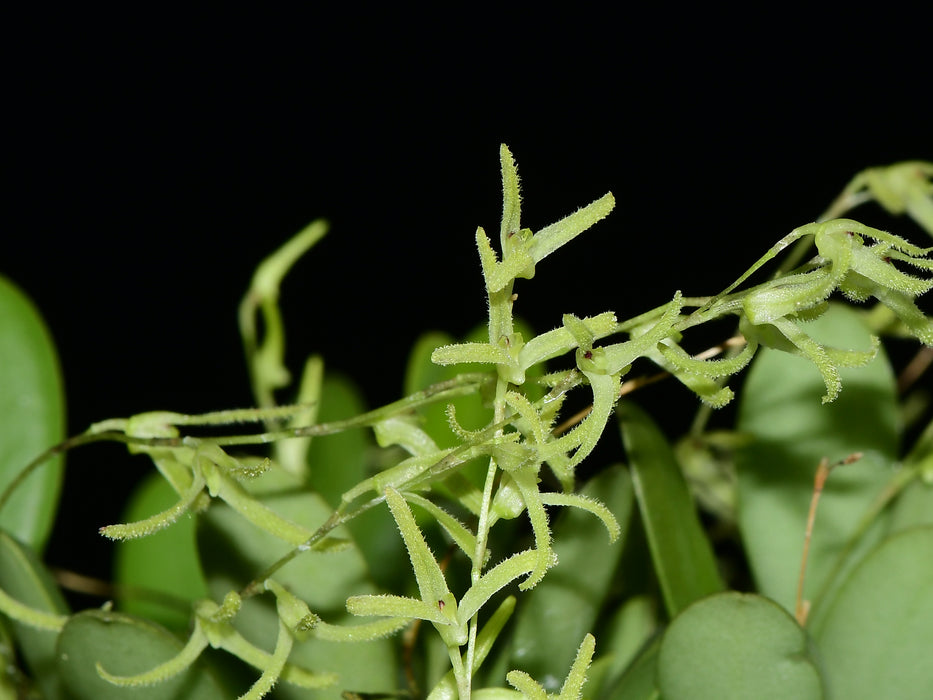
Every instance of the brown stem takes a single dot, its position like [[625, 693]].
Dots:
[[919, 364], [802, 608]]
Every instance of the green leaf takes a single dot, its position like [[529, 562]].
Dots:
[[162, 564], [25, 579], [736, 645], [876, 636], [639, 682], [914, 505], [623, 638], [789, 432], [560, 610], [32, 417], [13, 684], [682, 555], [125, 646]]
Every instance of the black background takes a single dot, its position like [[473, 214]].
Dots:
[[152, 160]]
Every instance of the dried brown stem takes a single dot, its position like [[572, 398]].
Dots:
[[802, 608]]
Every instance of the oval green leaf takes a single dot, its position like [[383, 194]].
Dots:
[[12, 682], [736, 645], [877, 633], [639, 681], [623, 638], [24, 578], [32, 417], [790, 431], [682, 555], [125, 646], [914, 505]]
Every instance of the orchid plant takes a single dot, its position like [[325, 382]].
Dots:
[[269, 538]]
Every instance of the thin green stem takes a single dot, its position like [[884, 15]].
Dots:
[[700, 420], [463, 674], [461, 385], [482, 528], [77, 441], [336, 519], [847, 200], [655, 313]]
